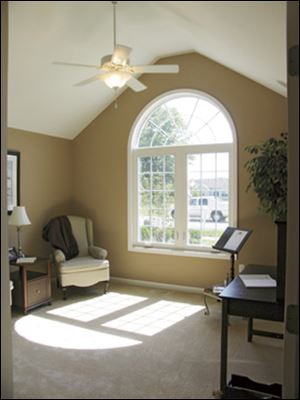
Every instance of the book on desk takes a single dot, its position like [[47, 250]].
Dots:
[[258, 280], [218, 289], [26, 260]]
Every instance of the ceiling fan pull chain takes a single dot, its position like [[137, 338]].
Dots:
[[115, 98]]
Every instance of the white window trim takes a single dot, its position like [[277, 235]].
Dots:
[[134, 153]]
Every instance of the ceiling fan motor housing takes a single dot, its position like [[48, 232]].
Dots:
[[106, 59]]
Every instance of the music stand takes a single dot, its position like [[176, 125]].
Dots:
[[231, 241]]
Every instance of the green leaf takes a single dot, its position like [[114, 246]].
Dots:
[[268, 175]]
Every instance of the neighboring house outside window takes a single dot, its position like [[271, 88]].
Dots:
[[182, 173]]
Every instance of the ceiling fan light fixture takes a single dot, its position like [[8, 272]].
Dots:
[[116, 79]]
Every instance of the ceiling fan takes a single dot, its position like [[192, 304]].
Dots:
[[116, 67]]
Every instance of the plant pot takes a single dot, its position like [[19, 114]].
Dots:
[[281, 259]]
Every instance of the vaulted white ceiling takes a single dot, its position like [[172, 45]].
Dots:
[[246, 36]]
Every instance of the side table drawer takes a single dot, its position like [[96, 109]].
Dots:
[[37, 291]]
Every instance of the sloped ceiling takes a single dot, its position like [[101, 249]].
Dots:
[[246, 36]]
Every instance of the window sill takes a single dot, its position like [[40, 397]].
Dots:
[[216, 255]]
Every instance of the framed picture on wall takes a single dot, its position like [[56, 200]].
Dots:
[[13, 180]]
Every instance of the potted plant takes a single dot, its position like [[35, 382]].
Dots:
[[268, 178]]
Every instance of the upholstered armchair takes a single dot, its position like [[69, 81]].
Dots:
[[89, 266]]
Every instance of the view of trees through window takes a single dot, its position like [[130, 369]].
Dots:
[[183, 192], [156, 199], [183, 121]]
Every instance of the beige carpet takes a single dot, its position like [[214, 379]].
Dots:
[[133, 343]]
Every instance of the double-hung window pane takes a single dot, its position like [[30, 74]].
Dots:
[[156, 199], [207, 197]]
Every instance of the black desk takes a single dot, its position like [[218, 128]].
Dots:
[[252, 303]]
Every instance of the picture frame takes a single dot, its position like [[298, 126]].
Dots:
[[13, 180]]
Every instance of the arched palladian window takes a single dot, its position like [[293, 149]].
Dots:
[[182, 174]]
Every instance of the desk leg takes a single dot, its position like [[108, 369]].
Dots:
[[224, 344], [250, 329]]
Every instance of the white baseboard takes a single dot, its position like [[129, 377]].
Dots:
[[158, 285]]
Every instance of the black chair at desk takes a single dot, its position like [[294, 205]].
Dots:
[[252, 303]]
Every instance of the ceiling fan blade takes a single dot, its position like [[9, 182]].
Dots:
[[75, 65], [135, 85], [89, 80], [156, 69], [121, 54]]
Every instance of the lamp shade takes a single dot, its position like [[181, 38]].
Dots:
[[19, 217]]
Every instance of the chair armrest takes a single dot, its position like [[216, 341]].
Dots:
[[97, 252], [59, 256]]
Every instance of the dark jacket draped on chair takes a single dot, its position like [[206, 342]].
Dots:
[[58, 232]]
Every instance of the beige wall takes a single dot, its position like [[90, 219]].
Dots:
[[45, 186], [100, 167], [88, 175]]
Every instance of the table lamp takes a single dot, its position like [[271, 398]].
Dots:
[[19, 218]]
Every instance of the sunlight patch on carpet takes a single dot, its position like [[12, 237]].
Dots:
[[66, 336], [154, 318], [97, 307]]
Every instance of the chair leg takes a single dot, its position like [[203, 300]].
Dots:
[[64, 290], [106, 284], [57, 283]]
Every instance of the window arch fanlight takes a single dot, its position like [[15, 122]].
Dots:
[[182, 173]]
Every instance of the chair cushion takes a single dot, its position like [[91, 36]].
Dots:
[[82, 264]]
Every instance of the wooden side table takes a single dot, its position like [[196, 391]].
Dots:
[[35, 286]]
